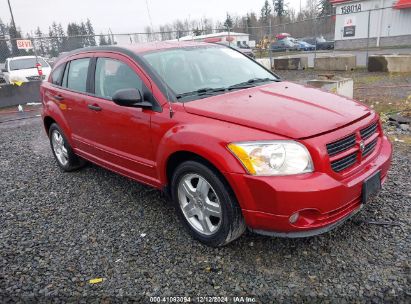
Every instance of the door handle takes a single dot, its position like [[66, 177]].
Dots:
[[94, 107], [58, 97]]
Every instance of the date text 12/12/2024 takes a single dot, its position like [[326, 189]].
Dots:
[[203, 299]]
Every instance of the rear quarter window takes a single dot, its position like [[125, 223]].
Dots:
[[57, 75]]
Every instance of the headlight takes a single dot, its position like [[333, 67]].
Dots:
[[277, 157]]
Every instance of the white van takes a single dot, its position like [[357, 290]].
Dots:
[[25, 69]]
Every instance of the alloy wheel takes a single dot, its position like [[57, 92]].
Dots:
[[200, 204], [59, 148]]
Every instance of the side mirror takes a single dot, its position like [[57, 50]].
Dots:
[[4, 70], [130, 98]]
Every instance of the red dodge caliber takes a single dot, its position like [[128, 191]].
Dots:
[[232, 144]]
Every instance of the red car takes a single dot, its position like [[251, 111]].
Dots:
[[232, 144]]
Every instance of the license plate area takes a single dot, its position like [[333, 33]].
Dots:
[[371, 187]]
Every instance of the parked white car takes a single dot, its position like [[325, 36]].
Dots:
[[25, 69]]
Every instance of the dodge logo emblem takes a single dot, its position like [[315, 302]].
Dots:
[[362, 146]]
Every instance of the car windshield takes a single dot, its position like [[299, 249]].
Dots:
[[192, 72], [26, 63]]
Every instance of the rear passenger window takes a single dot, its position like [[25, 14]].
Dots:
[[113, 75], [77, 74], [57, 74]]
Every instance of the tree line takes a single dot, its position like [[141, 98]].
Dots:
[[52, 43], [274, 12], [77, 35]]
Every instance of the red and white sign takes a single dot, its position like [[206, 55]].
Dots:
[[349, 21], [24, 44]]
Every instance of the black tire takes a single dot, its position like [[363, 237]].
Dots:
[[232, 222], [74, 162]]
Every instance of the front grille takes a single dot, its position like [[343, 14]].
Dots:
[[344, 163], [369, 147], [337, 150], [368, 131], [341, 145]]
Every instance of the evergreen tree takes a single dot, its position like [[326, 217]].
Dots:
[[53, 45], [102, 40], [62, 38], [280, 8], [83, 34], [14, 34], [228, 23], [74, 41], [90, 33], [197, 32], [325, 8], [246, 23], [4, 48], [39, 42], [265, 13]]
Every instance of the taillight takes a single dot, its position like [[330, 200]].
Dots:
[[39, 69]]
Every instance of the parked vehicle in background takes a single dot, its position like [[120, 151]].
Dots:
[[284, 45], [305, 46], [2, 80], [320, 43], [246, 51], [25, 68], [232, 144], [243, 45]]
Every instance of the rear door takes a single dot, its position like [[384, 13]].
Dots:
[[120, 135], [72, 98]]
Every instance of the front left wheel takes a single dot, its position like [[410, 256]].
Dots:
[[62, 151], [206, 205]]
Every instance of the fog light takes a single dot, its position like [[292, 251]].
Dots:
[[294, 217]]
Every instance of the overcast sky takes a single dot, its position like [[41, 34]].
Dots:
[[122, 16]]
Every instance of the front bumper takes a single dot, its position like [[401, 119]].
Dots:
[[322, 201]]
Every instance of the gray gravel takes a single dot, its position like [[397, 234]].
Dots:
[[59, 230]]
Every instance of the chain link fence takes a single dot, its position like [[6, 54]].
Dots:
[[319, 33], [50, 47]]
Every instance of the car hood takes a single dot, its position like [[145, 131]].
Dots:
[[283, 108]]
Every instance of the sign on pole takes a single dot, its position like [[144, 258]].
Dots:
[[24, 44]]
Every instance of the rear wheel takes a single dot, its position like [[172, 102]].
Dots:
[[206, 205], [62, 151]]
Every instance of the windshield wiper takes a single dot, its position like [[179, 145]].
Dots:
[[212, 91], [201, 92], [250, 83]]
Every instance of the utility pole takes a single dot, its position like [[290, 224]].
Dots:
[[13, 33], [12, 17], [269, 46]]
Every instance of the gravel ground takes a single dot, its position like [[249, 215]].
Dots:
[[59, 230]]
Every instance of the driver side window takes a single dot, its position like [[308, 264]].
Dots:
[[113, 75]]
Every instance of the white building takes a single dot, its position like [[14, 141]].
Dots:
[[232, 38], [386, 22]]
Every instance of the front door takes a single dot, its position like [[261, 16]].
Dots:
[[120, 136]]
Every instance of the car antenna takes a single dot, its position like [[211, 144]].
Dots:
[[170, 108]]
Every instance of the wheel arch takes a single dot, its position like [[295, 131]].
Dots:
[[48, 121], [178, 157]]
